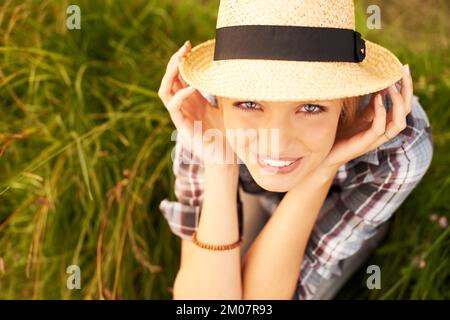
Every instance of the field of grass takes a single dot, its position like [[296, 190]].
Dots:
[[85, 148]]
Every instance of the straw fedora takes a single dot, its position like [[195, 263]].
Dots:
[[288, 50]]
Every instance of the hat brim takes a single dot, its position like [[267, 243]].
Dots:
[[277, 80]]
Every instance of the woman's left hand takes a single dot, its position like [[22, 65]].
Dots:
[[382, 126]]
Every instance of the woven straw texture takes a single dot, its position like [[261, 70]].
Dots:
[[312, 13], [275, 80]]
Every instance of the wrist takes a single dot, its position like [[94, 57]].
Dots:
[[327, 174], [319, 177], [222, 175], [222, 169]]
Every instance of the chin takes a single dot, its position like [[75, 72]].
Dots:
[[275, 188], [274, 183], [281, 186]]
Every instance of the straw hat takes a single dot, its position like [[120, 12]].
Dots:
[[288, 50]]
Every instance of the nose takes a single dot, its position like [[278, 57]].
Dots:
[[278, 135]]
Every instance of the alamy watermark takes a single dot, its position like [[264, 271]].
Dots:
[[214, 142], [374, 20], [74, 278], [374, 280], [73, 19]]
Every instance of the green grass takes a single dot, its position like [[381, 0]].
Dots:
[[85, 148], [420, 40]]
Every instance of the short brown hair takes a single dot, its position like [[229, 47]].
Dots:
[[350, 110]]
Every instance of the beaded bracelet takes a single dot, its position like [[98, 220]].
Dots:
[[214, 247]]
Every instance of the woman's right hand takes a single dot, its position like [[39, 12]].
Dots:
[[186, 105]]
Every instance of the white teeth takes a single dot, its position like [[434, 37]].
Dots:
[[276, 163]]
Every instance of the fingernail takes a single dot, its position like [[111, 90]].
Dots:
[[406, 69], [379, 100], [183, 47]]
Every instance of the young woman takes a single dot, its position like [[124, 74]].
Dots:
[[295, 213]]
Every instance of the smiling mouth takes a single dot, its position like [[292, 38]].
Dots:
[[276, 163], [279, 166]]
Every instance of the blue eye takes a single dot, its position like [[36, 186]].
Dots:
[[312, 109], [246, 105]]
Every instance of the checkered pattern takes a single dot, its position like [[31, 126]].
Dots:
[[365, 193]]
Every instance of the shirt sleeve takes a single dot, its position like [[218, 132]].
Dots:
[[183, 215], [368, 197]]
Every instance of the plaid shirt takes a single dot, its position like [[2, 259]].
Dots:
[[365, 193]]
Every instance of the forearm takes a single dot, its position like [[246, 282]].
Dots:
[[272, 264], [210, 274]]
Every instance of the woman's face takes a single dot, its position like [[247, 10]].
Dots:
[[263, 133]]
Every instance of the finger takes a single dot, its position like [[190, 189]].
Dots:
[[170, 83], [395, 125], [181, 51], [178, 82], [382, 118], [184, 124], [398, 122], [379, 121], [180, 78], [369, 111], [197, 97], [177, 85], [165, 90], [366, 140], [174, 106], [407, 88]]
